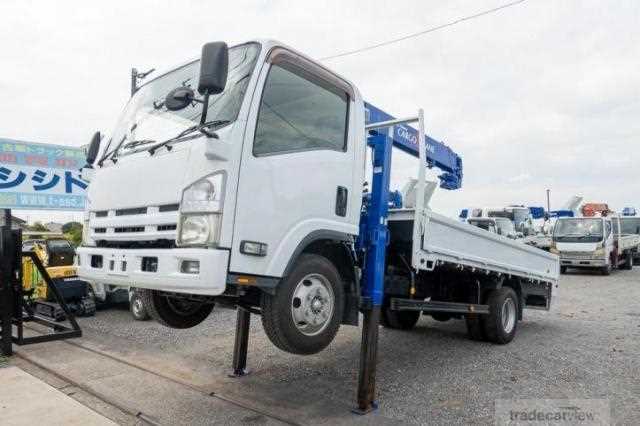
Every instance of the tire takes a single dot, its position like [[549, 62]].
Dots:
[[304, 315], [501, 324], [399, 320], [563, 269], [628, 263], [439, 316], [172, 311], [475, 327], [606, 270], [137, 308]]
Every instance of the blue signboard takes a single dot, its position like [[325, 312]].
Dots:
[[39, 176]]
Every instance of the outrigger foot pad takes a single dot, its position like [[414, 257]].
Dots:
[[362, 411], [239, 373]]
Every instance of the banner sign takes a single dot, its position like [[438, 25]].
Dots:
[[38, 176]]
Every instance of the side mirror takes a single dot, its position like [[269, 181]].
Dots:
[[214, 64], [94, 148]]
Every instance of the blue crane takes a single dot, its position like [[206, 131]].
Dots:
[[439, 155]]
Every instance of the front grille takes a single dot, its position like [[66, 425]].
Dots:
[[576, 255], [148, 226], [129, 212], [164, 244], [124, 229]]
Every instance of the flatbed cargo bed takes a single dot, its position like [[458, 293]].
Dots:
[[445, 240]]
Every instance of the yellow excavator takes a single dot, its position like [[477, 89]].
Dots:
[[57, 256]]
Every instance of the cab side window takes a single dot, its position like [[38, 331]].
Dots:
[[300, 112], [608, 227]]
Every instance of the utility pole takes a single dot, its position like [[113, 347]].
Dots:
[[548, 200], [136, 77]]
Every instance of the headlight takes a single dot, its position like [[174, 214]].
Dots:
[[198, 229], [554, 250], [599, 252], [204, 195]]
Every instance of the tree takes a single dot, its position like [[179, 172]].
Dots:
[[73, 232], [67, 227], [38, 227]]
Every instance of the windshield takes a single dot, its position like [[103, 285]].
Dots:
[[146, 121], [59, 245], [630, 225], [505, 226], [487, 225], [578, 231]]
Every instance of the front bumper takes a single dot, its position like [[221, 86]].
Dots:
[[129, 268], [583, 262]]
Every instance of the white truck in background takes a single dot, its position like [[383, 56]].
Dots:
[[593, 243], [520, 216], [629, 225], [255, 201], [497, 225]]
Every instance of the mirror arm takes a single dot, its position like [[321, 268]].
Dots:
[[205, 107]]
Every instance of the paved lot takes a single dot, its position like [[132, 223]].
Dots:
[[587, 347]]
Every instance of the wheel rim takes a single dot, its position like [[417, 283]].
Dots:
[[508, 315], [312, 304], [137, 307]]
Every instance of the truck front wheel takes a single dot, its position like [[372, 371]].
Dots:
[[172, 311], [304, 315], [501, 323]]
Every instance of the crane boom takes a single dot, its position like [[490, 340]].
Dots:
[[439, 155]]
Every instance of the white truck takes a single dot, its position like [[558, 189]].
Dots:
[[497, 225], [255, 200], [629, 225], [593, 243]]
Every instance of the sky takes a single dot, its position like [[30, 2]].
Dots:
[[541, 95]]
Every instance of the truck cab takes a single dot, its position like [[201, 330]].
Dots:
[[219, 210], [592, 242], [497, 225]]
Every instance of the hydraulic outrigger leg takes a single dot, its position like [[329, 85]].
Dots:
[[243, 321], [373, 240]]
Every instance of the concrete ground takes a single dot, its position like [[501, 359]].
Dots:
[[587, 347], [25, 400]]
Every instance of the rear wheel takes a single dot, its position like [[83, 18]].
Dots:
[[304, 315], [399, 320], [502, 322], [628, 263], [563, 269], [172, 311]]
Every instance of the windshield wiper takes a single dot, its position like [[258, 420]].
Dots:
[[133, 144], [203, 128]]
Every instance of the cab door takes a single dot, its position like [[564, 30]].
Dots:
[[297, 175]]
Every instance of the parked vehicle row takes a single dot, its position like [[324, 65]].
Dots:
[[595, 243]]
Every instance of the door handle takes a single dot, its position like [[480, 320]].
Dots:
[[342, 198]]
